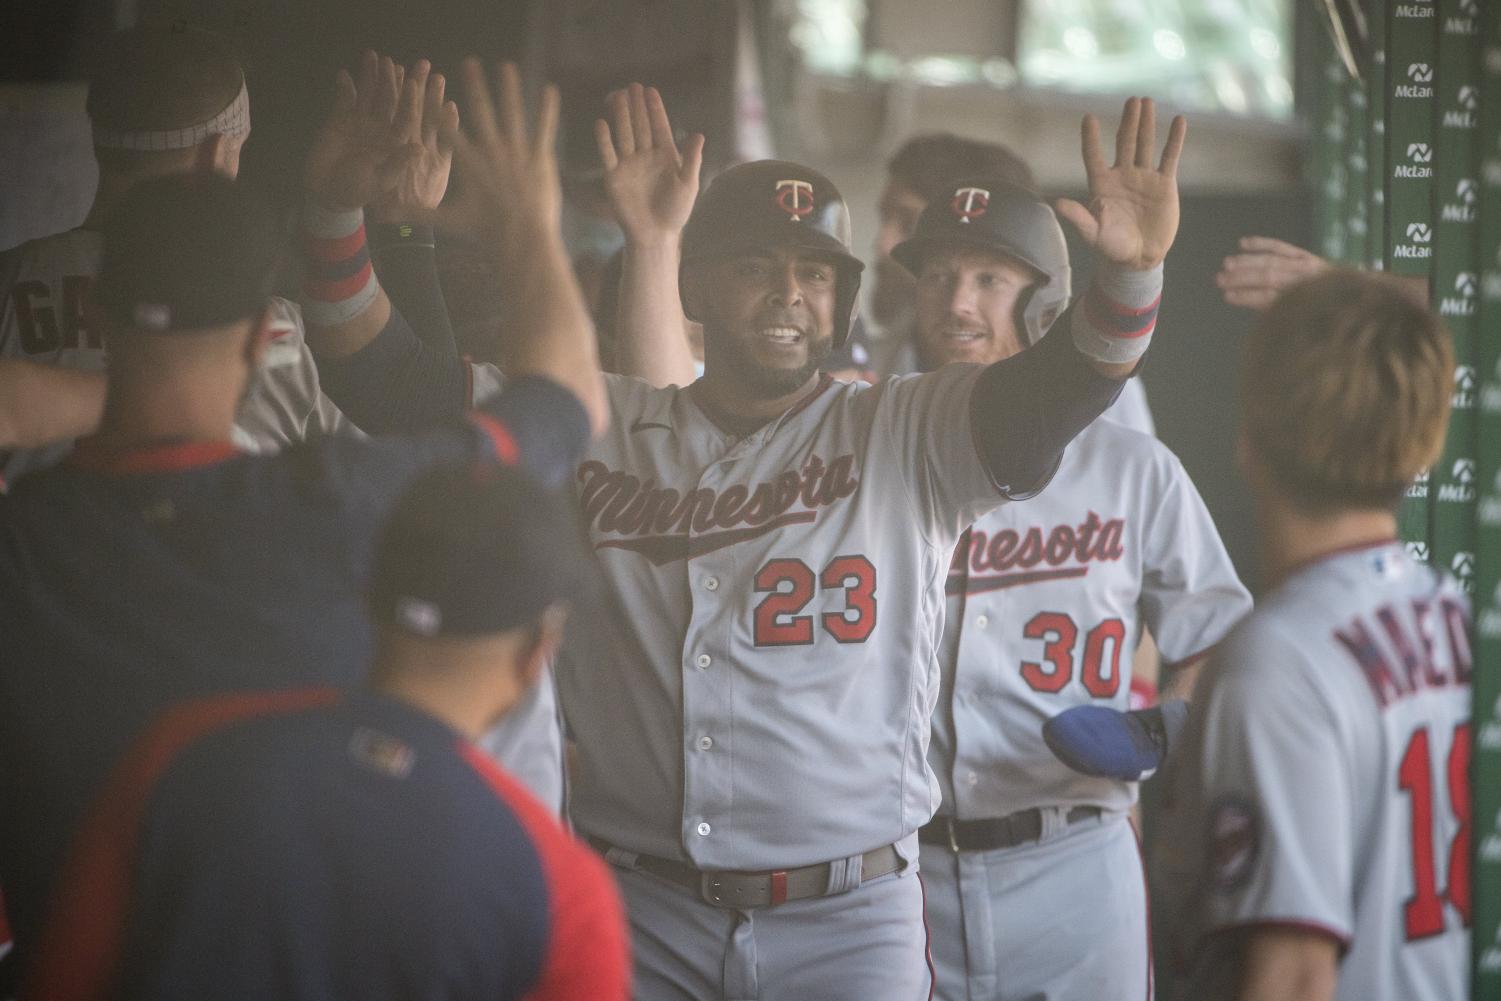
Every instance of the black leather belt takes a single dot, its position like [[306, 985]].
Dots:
[[993, 833], [725, 888]]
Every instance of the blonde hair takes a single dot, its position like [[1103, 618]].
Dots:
[[1345, 390]]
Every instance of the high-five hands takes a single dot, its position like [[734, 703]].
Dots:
[[422, 121], [1261, 268], [359, 154], [1132, 216], [651, 184], [509, 174]]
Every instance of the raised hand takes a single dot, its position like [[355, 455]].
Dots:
[[651, 184], [358, 155], [509, 176], [1262, 268], [1132, 216], [422, 120]]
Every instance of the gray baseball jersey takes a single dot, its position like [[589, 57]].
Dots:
[[781, 596], [45, 286], [1321, 783], [1046, 604]]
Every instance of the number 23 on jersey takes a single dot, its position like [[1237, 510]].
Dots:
[[790, 585]]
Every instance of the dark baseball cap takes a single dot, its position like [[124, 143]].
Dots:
[[476, 549], [188, 251]]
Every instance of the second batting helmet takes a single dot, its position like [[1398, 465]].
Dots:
[[999, 218], [774, 203]]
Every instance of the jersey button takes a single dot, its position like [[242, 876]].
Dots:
[[703, 828], [703, 660], [972, 778], [711, 583], [705, 743], [982, 621]]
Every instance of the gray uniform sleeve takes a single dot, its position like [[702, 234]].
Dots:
[[1278, 820], [926, 420], [1190, 594]]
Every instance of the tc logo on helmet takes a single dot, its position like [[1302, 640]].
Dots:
[[970, 203], [795, 198]]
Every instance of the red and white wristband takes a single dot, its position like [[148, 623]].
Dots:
[[339, 282], [1115, 321]]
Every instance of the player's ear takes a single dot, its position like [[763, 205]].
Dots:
[[208, 156]]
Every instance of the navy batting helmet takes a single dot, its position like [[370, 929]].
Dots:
[[991, 215], [773, 203]]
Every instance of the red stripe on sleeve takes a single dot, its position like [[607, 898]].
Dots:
[[340, 290], [1115, 320], [588, 955], [506, 449], [332, 251], [79, 948]]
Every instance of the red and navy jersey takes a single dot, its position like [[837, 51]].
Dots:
[[130, 581], [304, 844]]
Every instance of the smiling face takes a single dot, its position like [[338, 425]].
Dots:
[[966, 306], [768, 316]]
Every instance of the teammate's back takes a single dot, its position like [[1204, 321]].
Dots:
[[1349, 682], [1316, 827]]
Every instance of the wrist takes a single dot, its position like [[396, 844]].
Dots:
[[385, 236], [654, 242]]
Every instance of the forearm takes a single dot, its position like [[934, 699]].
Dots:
[[651, 330], [1026, 408], [41, 404], [343, 305], [406, 266], [551, 333], [395, 383], [1288, 965]]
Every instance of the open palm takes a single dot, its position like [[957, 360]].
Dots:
[[1132, 216], [358, 155], [651, 184], [423, 117]]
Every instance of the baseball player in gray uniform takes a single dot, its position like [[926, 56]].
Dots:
[[162, 100], [919, 173], [1315, 842], [1035, 886], [752, 750]]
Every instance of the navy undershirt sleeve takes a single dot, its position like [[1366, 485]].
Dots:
[[397, 383], [1026, 408], [405, 260]]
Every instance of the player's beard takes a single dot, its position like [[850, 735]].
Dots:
[[764, 382]]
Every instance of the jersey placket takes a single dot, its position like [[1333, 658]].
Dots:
[[717, 585]]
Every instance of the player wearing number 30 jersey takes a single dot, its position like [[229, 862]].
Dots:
[[1034, 880], [1317, 825]]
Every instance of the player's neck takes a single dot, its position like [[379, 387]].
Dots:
[[139, 411], [446, 681], [724, 397], [1291, 539]]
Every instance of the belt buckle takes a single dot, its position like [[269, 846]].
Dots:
[[951, 825]]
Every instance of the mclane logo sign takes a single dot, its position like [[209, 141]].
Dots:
[[1462, 209], [1421, 9], [1464, 382], [1462, 489], [1463, 116], [1466, 284], [1418, 551], [1463, 566], [1421, 234], [1417, 153], [1421, 74], [1419, 488]]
